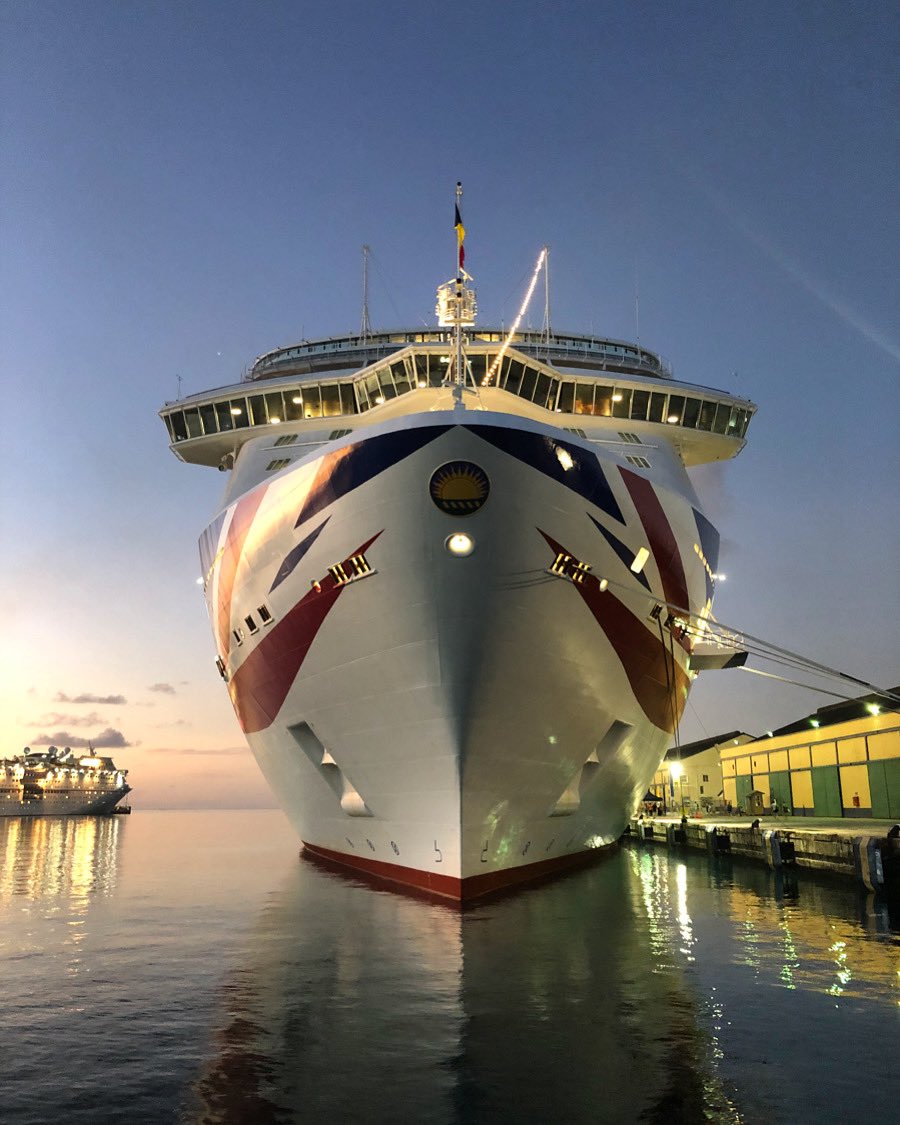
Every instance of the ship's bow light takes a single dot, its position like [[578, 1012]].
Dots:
[[460, 544]]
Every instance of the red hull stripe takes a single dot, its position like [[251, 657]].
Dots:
[[661, 538], [241, 522], [647, 663], [260, 685], [458, 891]]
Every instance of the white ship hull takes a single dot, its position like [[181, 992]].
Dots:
[[62, 804], [457, 723]]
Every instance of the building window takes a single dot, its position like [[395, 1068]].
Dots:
[[706, 777], [251, 624], [264, 614]]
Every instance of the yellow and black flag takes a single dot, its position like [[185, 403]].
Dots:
[[460, 237]]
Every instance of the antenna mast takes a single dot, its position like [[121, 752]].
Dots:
[[456, 307], [365, 327]]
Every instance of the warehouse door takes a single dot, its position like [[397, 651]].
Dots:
[[884, 783], [780, 785], [826, 791], [743, 789]]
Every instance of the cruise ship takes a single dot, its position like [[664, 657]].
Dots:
[[56, 782], [459, 585]]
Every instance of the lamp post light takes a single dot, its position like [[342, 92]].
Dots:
[[676, 772]]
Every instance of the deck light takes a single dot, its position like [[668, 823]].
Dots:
[[873, 708], [617, 397], [602, 584], [236, 410], [565, 458], [379, 399], [639, 559], [460, 544], [297, 399], [274, 421], [672, 419]]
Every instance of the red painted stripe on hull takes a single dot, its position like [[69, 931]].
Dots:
[[447, 887], [662, 539], [260, 685], [643, 656]]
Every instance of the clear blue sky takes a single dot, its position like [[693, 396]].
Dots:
[[185, 185]]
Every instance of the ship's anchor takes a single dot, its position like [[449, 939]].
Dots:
[[484, 852], [440, 854]]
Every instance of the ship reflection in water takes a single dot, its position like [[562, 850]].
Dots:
[[644, 989], [71, 857], [195, 971]]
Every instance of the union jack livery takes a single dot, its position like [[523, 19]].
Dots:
[[459, 586]]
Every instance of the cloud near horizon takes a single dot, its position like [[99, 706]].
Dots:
[[165, 689], [89, 697], [56, 719], [108, 739]]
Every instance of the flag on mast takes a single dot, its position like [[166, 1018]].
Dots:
[[460, 236]]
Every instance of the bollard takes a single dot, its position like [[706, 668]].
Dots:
[[867, 862], [772, 848]]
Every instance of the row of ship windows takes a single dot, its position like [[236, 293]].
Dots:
[[555, 343], [250, 621], [390, 380]]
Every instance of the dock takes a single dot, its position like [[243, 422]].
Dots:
[[867, 851]]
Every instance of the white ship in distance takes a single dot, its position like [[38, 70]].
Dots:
[[458, 585], [60, 782]]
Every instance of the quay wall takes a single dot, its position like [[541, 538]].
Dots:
[[872, 860]]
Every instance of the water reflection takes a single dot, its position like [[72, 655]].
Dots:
[[549, 1005], [54, 857]]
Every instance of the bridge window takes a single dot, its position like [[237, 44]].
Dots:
[[676, 409], [691, 413], [707, 415], [238, 409], [275, 406], [331, 400], [621, 402], [179, 433], [723, 415], [657, 407], [223, 417], [640, 404], [257, 407], [566, 400], [584, 398], [312, 402], [192, 421]]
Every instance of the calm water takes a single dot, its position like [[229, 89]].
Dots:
[[188, 967]]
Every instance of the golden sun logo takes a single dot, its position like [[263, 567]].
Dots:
[[459, 488]]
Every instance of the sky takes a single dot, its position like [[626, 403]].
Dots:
[[185, 185]]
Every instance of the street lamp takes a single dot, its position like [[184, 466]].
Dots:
[[676, 772]]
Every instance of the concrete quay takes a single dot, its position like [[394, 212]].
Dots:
[[860, 849]]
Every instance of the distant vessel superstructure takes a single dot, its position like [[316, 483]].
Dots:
[[56, 782], [457, 586]]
